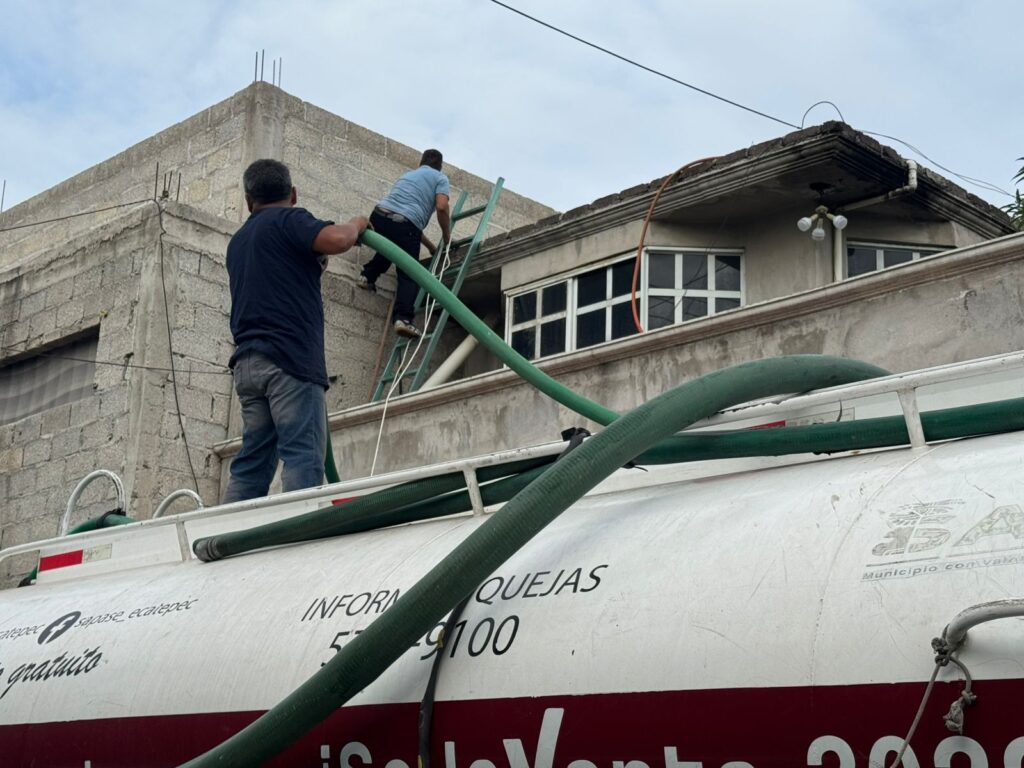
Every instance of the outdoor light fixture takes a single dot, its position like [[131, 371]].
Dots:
[[817, 220]]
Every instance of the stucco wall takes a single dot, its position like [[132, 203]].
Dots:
[[951, 307], [779, 260]]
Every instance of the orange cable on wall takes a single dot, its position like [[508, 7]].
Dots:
[[643, 234]]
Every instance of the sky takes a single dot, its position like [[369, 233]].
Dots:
[[81, 80]]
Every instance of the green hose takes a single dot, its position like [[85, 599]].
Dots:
[[360, 514], [368, 654], [478, 328], [330, 469]]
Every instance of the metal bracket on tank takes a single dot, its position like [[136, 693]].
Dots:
[[73, 501]]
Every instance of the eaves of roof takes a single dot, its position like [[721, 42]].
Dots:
[[830, 143]]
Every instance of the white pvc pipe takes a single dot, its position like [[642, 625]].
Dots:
[[956, 630], [838, 255], [452, 362], [455, 359], [906, 189], [173, 495], [66, 520]]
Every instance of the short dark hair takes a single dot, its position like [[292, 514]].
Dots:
[[432, 157], [267, 181]]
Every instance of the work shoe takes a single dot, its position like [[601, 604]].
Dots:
[[366, 284], [407, 329]]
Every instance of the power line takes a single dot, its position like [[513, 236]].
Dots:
[[74, 215], [170, 345], [111, 363], [968, 179], [644, 67], [691, 86]]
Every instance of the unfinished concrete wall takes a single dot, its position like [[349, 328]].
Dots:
[[340, 169], [111, 280], [950, 307]]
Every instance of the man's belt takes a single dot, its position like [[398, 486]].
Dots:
[[395, 217]]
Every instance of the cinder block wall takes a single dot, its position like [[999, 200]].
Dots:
[[109, 280], [341, 169]]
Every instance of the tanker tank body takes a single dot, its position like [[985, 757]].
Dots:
[[769, 613]]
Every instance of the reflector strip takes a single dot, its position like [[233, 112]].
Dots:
[[63, 560]]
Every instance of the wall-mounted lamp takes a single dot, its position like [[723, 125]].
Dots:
[[817, 219]]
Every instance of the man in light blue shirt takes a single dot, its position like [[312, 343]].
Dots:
[[401, 217]]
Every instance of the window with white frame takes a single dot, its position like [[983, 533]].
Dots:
[[689, 284], [862, 258], [594, 306]]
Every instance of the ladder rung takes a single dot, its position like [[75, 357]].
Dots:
[[470, 212], [463, 240]]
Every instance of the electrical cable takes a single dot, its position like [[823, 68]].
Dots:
[[75, 215], [643, 235], [112, 363], [677, 81], [170, 345], [818, 104], [968, 179], [637, 64]]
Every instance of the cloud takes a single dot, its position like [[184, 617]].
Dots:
[[80, 81]]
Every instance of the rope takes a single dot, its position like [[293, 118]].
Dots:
[[917, 717], [643, 235], [944, 655], [403, 366]]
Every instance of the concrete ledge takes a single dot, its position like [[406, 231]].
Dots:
[[927, 270]]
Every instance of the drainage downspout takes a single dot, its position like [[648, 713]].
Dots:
[[906, 189], [838, 240], [838, 251]]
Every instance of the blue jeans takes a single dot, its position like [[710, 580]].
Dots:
[[282, 417]]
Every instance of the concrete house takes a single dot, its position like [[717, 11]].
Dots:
[[115, 327], [918, 276]]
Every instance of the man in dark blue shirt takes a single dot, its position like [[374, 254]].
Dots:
[[274, 262]]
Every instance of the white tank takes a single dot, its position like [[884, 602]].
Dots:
[[733, 614], [767, 617]]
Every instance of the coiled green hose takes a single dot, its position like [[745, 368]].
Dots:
[[368, 654]]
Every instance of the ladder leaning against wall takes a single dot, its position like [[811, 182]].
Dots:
[[416, 372]]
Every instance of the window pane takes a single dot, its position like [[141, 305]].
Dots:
[[592, 287], [590, 329], [524, 308], [622, 320], [552, 338], [552, 299], [661, 270], [893, 256], [660, 312], [727, 273], [522, 342], [724, 305], [695, 271], [695, 307], [622, 278], [36, 384], [860, 261]]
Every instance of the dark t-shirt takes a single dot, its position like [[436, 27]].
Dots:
[[276, 305]]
